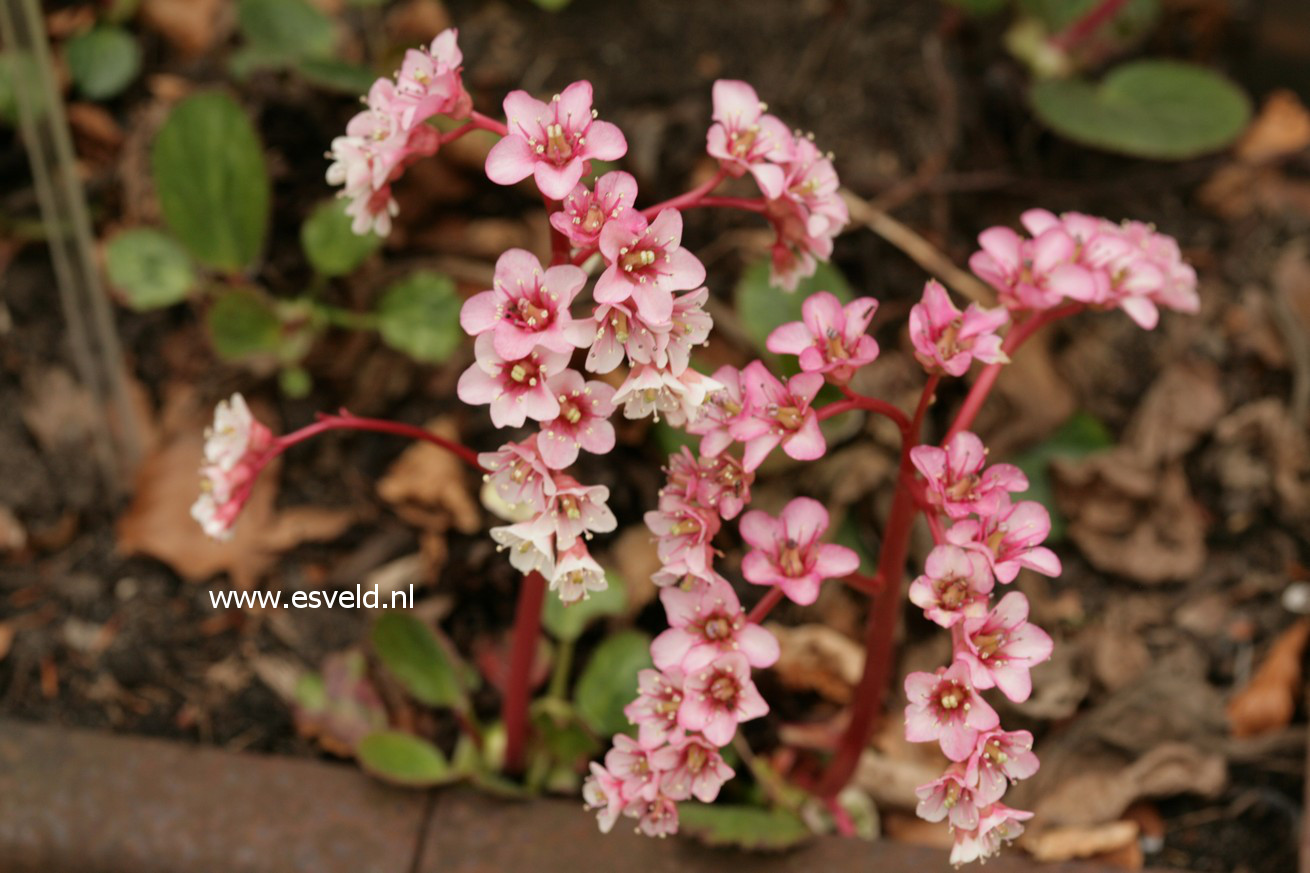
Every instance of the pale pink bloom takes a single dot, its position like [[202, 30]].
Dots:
[[235, 435], [655, 711], [637, 767], [619, 332], [706, 623], [578, 510], [577, 574], [516, 388], [948, 796], [237, 445], [683, 530], [954, 585], [585, 213], [724, 484], [948, 341], [954, 478], [531, 544], [372, 211], [519, 474], [683, 475], [553, 142], [1010, 540], [796, 252], [829, 338], [779, 414], [528, 308], [678, 573], [689, 326], [603, 792], [944, 706], [1032, 273], [812, 184], [1177, 288], [647, 263], [718, 696], [223, 494], [583, 420], [698, 771], [429, 81], [721, 411], [1002, 646], [999, 825], [745, 139], [651, 390], [998, 758], [658, 817], [786, 551]]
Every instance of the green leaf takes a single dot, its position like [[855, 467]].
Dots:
[[414, 655], [404, 759], [242, 322], [1150, 109], [419, 315], [333, 74], [979, 8], [746, 827], [1078, 437], [609, 681], [340, 706], [212, 182], [332, 248], [567, 623], [103, 61], [763, 307], [286, 30], [149, 268], [295, 382]]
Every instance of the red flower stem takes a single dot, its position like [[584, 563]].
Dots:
[[345, 421], [559, 243], [518, 684], [747, 204], [869, 404], [935, 523], [765, 605], [682, 201], [483, 122], [1088, 24], [864, 584]]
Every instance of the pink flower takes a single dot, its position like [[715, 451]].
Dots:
[[998, 758], [647, 263], [948, 796], [698, 771], [429, 81], [706, 623], [638, 768], [577, 574], [655, 711], [830, 338], [603, 792], [946, 340], [943, 706], [237, 446], [744, 139], [779, 414], [579, 511], [1001, 647], [718, 696], [658, 817], [689, 326], [1010, 539], [954, 479], [516, 388], [722, 409], [528, 308], [954, 585], [530, 543], [620, 331], [651, 390], [786, 551], [724, 484], [808, 215], [235, 436], [584, 213], [999, 825], [678, 573], [1032, 274], [684, 530], [583, 420], [552, 142], [519, 475]]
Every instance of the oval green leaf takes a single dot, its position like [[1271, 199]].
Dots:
[[149, 268], [745, 827], [609, 682], [243, 323], [1164, 110], [286, 30], [419, 315], [414, 655], [103, 61], [212, 182], [403, 759], [332, 248]]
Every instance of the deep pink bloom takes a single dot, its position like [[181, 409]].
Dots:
[[829, 338], [516, 388], [552, 142], [949, 796], [684, 530], [778, 414], [954, 478], [808, 215], [1010, 540], [947, 340], [944, 706], [745, 139], [954, 585], [725, 405], [706, 623], [1032, 273], [1002, 646], [429, 81], [698, 771], [638, 768], [518, 474], [579, 510], [1000, 757], [583, 420], [724, 484], [528, 308], [655, 711], [786, 551], [603, 792], [718, 696], [652, 390], [998, 825], [647, 263], [585, 212], [577, 574]]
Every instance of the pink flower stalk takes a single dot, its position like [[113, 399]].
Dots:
[[949, 796], [779, 414], [655, 711], [998, 825], [647, 263], [519, 474], [683, 530], [829, 338], [1001, 647], [579, 511], [651, 390], [944, 706], [718, 696], [552, 142], [724, 406], [528, 308], [999, 758], [1032, 274], [786, 551], [516, 388], [705, 623], [698, 771], [619, 332], [1010, 540], [745, 139], [530, 543], [955, 481], [603, 792], [637, 767], [577, 574], [236, 448], [954, 586], [583, 421], [429, 81], [948, 341], [585, 213]]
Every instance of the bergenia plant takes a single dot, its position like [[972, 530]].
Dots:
[[622, 296]]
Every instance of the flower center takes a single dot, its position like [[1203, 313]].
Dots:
[[525, 372], [836, 348], [951, 696], [558, 147], [635, 259], [952, 592], [989, 644], [743, 141], [569, 409], [594, 219], [568, 504], [530, 315], [947, 343], [962, 488], [789, 417], [724, 689], [791, 560], [718, 628], [696, 758], [619, 322]]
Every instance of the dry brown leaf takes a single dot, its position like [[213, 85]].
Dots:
[[58, 411], [1268, 701], [814, 657], [1281, 128], [427, 485], [891, 782], [1078, 841], [13, 536], [1118, 657], [634, 557], [905, 827], [192, 26], [1262, 459], [1181, 406]]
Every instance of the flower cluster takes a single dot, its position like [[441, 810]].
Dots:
[[237, 446], [995, 645]]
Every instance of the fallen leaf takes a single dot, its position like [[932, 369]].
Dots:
[[634, 557], [191, 26], [910, 829], [1118, 657], [427, 486], [1078, 841], [58, 411], [1181, 406], [1281, 128], [1268, 701], [814, 657], [1262, 461], [13, 536]]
